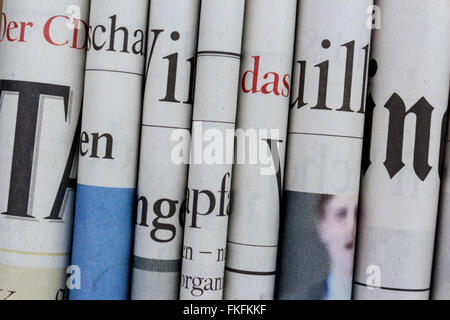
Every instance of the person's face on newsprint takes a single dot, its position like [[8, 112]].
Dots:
[[336, 226]]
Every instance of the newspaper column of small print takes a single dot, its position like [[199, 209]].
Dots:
[[42, 61], [263, 108], [108, 152], [211, 154], [167, 116], [325, 137], [407, 101]]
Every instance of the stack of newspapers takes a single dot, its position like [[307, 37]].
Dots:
[[236, 150]]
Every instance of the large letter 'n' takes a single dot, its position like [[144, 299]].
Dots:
[[397, 114]]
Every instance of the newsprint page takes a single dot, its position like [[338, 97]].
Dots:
[[224, 159]]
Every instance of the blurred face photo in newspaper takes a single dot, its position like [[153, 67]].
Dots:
[[321, 241], [336, 227]]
